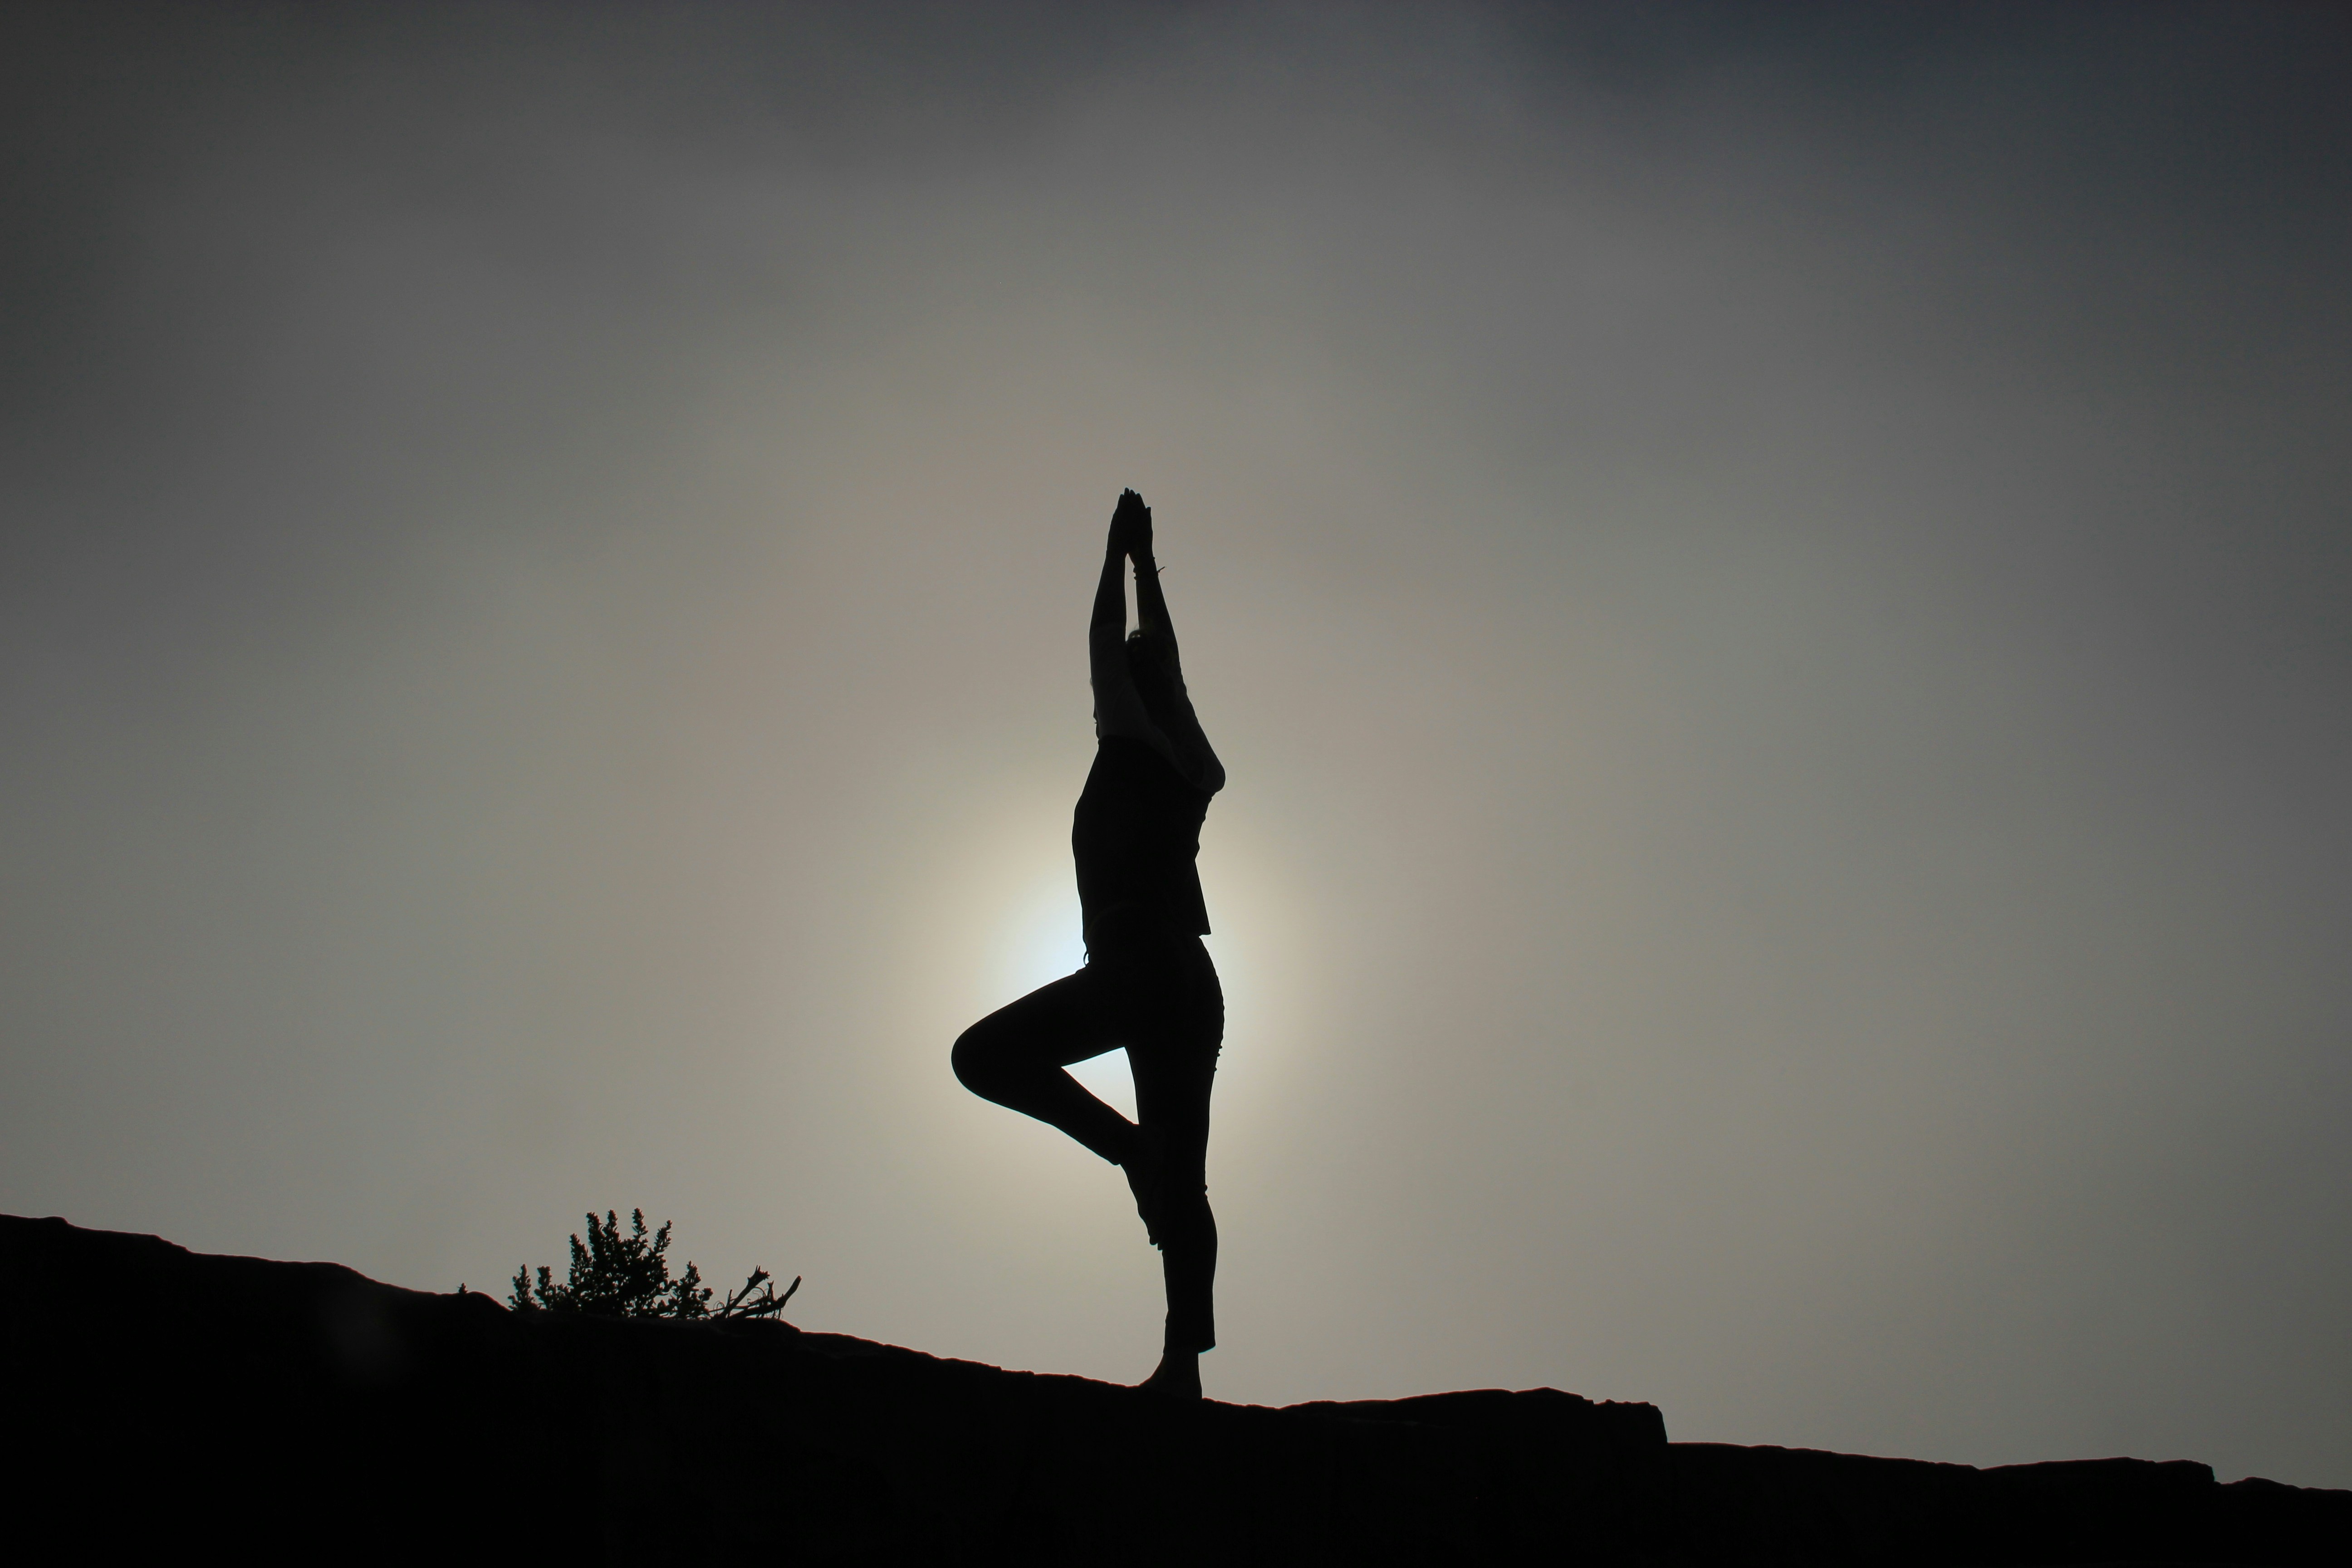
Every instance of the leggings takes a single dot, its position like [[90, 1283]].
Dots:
[[1157, 996]]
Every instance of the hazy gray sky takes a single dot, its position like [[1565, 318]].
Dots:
[[1772, 586]]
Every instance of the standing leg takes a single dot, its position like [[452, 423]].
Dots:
[[1187, 1229], [1175, 1066]]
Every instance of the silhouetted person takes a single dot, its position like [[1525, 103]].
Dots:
[[1148, 983]]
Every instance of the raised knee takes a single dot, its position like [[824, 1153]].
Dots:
[[969, 1058]]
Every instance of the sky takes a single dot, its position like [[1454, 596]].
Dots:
[[1770, 581]]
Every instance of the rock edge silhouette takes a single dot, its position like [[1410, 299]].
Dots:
[[166, 1397]]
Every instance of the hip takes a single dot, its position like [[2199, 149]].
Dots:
[[1146, 962]]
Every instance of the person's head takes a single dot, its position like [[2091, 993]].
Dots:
[[1152, 665]]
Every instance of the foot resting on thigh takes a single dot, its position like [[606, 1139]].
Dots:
[[1143, 1179], [1178, 1376]]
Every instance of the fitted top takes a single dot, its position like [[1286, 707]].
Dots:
[[1135, 835]]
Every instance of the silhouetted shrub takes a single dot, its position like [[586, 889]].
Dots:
[[616, 1276]]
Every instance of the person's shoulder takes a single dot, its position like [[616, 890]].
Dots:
[[1149, 757]]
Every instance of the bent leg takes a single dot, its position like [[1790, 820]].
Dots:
[[1015, 1056]]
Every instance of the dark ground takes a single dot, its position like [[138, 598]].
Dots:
[[166, 1399]]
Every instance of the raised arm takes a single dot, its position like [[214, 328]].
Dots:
[[1119, 707], [1150, 604], [1186, 746]]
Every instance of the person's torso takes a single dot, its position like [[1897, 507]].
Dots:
[[1136, 835]]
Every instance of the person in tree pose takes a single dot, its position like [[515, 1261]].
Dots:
[[1148, 983]]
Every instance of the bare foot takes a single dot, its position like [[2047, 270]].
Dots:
[[1178, 1376]]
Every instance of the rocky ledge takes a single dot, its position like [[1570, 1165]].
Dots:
[[168, 1398]]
